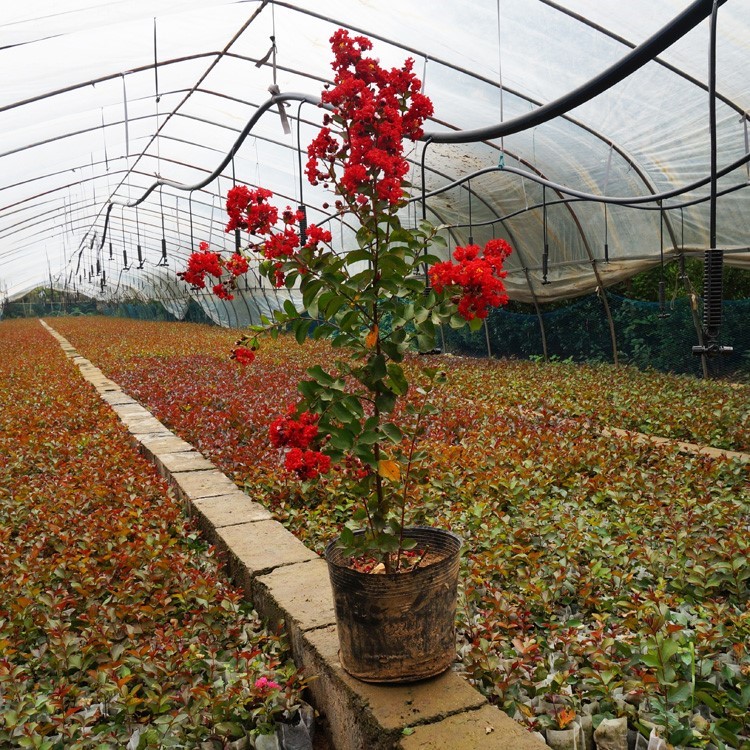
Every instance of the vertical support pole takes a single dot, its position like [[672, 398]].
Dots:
[[713, 259]]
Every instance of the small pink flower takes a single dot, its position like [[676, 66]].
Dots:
[[263, 685]]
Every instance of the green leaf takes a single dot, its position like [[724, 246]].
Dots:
[[399, 383], [668, 649], [342, 439], [680, 692], [414, 285], [310, 290], [353, 405], [393, 432], [319, 375], [291, 279], [334, 306], [385, 402], [356, 256], [429, 259], [230, 729], [342, 413], [425, 342], [301, 329], [393, 264], [363, 278], [346, 538], [309, 389], [377, 368], [364, 237]]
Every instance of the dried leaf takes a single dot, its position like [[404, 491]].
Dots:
[[389, 470]]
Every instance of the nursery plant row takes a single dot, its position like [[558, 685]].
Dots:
[[117, 628], [603, 576]]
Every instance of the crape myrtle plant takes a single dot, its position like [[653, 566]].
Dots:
[[376, 301]]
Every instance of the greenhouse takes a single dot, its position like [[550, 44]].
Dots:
[[375, 376]]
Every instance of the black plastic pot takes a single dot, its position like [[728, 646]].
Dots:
[[398, 627]]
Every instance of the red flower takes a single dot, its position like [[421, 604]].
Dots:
[[307, 464], [249, 209], [316, 235], [200, 264], [282, 244], [381, 108], [222, 292], [237, 265], [286, 432], [288, 216], [263, 685], [479, 279], [243, 355], [279, 277]]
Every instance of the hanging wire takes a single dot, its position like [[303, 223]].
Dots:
[[211, 218], [606, 235], [104, 140], [177, 219], [125, 266], [662, 282], [163, 260], [138, 236], [545, 253], [237, 236], [156, 74], [125, 108], [501, 162], [606, 187], [190, 213], [301, 205]]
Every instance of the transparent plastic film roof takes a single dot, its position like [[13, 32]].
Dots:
[[101, 103]]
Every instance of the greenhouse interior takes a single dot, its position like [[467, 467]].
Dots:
[[375, 375]]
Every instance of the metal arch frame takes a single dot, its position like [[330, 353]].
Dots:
[[639, 55], [678, 26], [658, 60], [435, 137]]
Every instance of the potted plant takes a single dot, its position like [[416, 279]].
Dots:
[[362, 415]]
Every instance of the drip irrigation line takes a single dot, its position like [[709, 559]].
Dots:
[[633, 201], [637, 58], [689, 18]]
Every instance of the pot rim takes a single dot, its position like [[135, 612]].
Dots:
[[331, 546]]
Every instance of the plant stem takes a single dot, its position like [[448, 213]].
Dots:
[[407, 478]]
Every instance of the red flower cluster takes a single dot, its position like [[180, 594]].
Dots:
[[287, 432], [207, 262], [381, 108], [222, 291], [281, 244], [243, 355], [199, 264], [316, 235], [307, 464], [478, 278], [237, 265], [250, 210], [297, 435]]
